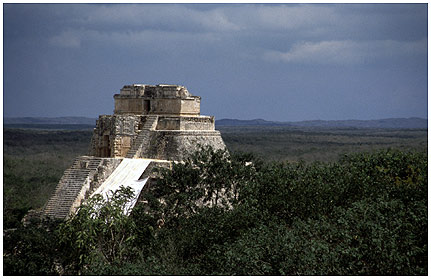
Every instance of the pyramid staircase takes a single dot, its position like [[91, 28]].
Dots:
[[70, 187], [143, 137]]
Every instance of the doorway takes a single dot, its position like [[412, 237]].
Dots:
[[147, 106], [105, 150]]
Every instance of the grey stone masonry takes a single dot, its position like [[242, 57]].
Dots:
[[154, 122], [75, 185], [158, 122], [143, 137], [178, 145]]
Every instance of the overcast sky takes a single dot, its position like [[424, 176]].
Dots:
[[283, 62]]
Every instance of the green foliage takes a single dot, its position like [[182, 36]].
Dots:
[[30, 251], [366, 215], [101, 229], [222, 214], [325, 144], [209, 177]]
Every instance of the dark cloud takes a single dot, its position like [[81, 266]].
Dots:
[[277, 61]]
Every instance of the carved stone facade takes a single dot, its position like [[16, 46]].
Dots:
[[154, 122], [160, 123], [156, 99]]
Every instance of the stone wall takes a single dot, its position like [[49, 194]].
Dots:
[[191, 105], [168, 123], [185, 123], [114, 135], [154, 91], [197, 123], [132, 106], [156, 99], [178, 145], [169, 106], [161, 106], [154, 122]]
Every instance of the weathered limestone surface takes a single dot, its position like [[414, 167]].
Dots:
[[85, 174], [156, 99], [170, 127], [114, 134], [177, 145], [185, 123], [158, 122]]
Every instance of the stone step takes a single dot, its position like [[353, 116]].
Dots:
[[69, 186], [143, 136], [72, 185], [149, 123], [72, 179], [72, 182], [77, 172], [79, 168], [140, 140], [77, 176]]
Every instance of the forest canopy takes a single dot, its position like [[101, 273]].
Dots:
[[234, 214]]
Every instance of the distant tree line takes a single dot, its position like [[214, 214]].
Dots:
[[222, 214]]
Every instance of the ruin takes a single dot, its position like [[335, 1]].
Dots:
[[152, 125]]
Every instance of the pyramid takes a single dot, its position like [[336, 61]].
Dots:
[[152, 125]]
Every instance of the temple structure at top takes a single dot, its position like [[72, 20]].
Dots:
[[156, 99], [154, 122]]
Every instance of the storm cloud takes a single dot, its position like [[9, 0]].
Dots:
[[278, 62]]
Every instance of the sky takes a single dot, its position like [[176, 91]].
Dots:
[[279, 62]]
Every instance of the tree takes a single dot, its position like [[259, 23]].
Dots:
[[208, 178], [99, 231]]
